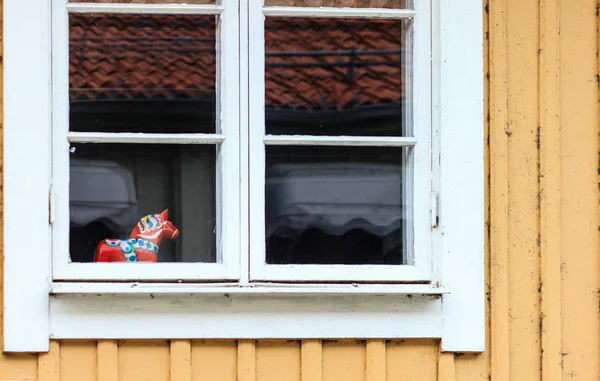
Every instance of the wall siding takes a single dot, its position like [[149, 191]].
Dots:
[[542, 210]]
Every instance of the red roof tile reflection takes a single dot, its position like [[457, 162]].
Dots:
[[310, 63]]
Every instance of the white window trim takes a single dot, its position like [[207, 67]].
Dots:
[[227, 138], [36, 309], [420, 269]]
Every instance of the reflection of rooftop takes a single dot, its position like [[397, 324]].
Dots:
[[312, 64]]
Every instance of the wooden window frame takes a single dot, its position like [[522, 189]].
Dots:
[[44, 300], [420, 267], [226, 138]]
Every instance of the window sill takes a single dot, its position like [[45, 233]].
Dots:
[[230, 311], [99, 312], [68, 288]]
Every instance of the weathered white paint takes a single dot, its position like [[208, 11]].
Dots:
[[27, 171], [146, 8], [340, 273], [419, 161], [244, 316], [228, 186], [361, 141], [339, 12], [256, 120], [144, 271], [244, 149], [420, 156], [227, 152], [142, 138], [462, 177], [236, 288], [60, 142]]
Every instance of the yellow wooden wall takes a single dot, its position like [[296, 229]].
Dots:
[[542, 249]]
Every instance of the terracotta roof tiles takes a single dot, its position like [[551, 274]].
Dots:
[[310, 63]]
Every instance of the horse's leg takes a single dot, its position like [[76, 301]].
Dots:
[[107, 253], [146, 256], [98, 257]]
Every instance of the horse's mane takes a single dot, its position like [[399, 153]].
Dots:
[[149, 222]]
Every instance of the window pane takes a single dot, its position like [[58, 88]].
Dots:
[[396, 4], [337, 205], [337, 76], [142, 73], [113, 186], [210, 2]]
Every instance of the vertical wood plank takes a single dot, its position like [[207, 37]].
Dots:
[[246, 360], [499, 346], [214, 360], [376, 365], [78, 361], [278, 360], [18, 367], [108, 360], [49, 363], [472, 367], [446, 370], [550, 285], [483, 363], [140, 360], [579, 241], [344, 360], [180, 356], [523, 275], [311, 360], [411, 360]]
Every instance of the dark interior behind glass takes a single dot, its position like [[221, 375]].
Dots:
[[112, 186], [335, 205], [150, 74]]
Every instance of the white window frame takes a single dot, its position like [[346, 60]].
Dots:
[[421, 232], [447, 302], [226, 138]]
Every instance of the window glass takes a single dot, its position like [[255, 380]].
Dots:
[[332, 76], [142, 73], [396, 4], [337, 205], [114, 186]]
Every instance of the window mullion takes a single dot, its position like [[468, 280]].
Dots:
[[244, 136], [147, 138], [256, 115], [339, 12], [422, 131], [355, 141], [145, 8]]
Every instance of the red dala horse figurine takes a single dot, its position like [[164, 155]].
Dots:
[[143, 242]]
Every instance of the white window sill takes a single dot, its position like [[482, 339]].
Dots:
[[257, 311], [155, 311], [66, 288]]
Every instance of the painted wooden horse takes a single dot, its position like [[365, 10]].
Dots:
[[143, 242]]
